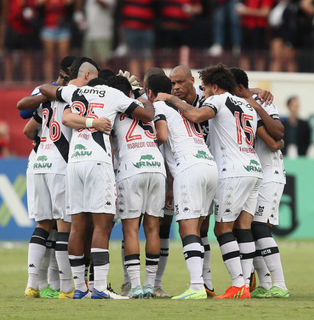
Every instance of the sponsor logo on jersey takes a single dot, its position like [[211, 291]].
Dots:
[[147, 161], [41, 164], [260, 211], [100, 93], [253, 166], [80, 151], [203, 155]]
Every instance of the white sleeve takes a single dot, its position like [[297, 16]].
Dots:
[[212, 102], [65, 94], [125, 104]]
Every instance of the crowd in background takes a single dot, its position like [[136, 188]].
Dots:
[[252, 34]]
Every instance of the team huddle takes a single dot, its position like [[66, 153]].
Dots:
[[107, 149]]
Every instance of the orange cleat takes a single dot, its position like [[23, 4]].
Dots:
[[236, 293]]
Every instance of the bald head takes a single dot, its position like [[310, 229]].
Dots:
[[184, 70]]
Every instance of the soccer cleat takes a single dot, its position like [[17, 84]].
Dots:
[[32, 293], [276, 292], [236, 293], [210, 293], [106, 294], [148, 291], [136, 293], [259, 292], [125, 288], [78, 294], [114, 295], [48, 293], [66, 295], [159, 293], [191, 294], [253, 281]]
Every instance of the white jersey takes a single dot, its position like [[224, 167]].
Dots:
[[135, 147], [88, 144], [53, 151], [272, 162], [231, 136], [184, 140]]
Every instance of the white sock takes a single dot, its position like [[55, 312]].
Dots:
[[231, 255], [133, 266], [43, 271], [78, 270], [62, 258], [125, 271], [193, 257], [53, 271], [151, 266], [163, 259], [101, 268], [261, 269], [207, 276]]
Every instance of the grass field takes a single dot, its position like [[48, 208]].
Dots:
[[297, 258]]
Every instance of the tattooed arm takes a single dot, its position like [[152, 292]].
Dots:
[[189, 112]]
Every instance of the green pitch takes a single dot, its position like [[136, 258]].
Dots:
[[298, 262]]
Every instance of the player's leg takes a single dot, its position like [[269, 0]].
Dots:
[[53, 270]]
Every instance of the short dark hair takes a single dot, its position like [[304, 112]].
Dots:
[[121, 83], [219, 75], [77, 64], [159, 83], [290, 99], [65, 64], [96, 82], [240, 77], [105, 74]]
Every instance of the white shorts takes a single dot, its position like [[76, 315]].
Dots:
[[141, 193], [92, 187], [30, 194], [50, 199], [194, 189], [268, 201], [235, 195]]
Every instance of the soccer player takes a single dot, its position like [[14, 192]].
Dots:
[[140, 178], [231, 139], [195, 179], [90, 168], [49, 170], [267, 260]]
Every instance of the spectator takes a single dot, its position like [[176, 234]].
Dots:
[[297, 132], [56, 32], [138, 26], [18, 35], [283, 20], [98, 26], [4, 139], [254, 25], [175, 28], [225, 10]]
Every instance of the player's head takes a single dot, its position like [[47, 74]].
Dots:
[[96, 82], [65, 69], [216, 80], [85, 69], [150, 72], [105, 74], [242, 81], [157, 83], [293, 105], [121, 83], [182, 81]]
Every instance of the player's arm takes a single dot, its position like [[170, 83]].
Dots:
[[76, 121], [161, 128], [49, 90], [271, 143], [145, 114], [189, 112], [31, 102], [169, 192], [31, 129], [264, 95], [274, 126]]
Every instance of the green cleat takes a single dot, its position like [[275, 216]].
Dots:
[[259, 292], [276, 292], [191, 294], [48, 293]]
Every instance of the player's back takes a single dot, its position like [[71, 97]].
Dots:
[[135, 147], [231, 136], [185, 141]]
